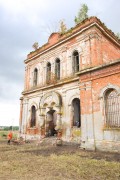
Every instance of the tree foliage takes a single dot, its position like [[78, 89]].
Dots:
[[63, 27], [118, 35], [35, 45], [8, 128], [82, 14]]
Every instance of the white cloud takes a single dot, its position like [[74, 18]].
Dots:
[[22, 6], [9, 114], [28, 9]]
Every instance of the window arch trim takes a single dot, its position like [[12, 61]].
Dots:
[[106, 88]]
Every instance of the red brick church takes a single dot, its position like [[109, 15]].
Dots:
[[72, 86]]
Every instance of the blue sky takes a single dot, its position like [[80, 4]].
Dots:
[[23, 22]]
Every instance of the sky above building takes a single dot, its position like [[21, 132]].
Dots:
[[23, 22]]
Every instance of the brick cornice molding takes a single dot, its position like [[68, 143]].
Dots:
[[91, 69]]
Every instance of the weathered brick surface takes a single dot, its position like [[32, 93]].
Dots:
[[98, 79], [99, 68]]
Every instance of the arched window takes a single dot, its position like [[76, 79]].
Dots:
[[75, 61], [33, 116], [35, 80], [48, 73], [112, 108], [57, 69], [76, 112]]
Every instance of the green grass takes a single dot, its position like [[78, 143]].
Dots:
[[3, 134], [34, 162]]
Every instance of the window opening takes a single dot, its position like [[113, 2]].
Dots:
[[57, 69], [75, 62], [35, 77], [33, 116], [76, 112], [48, 74], [112, 108]]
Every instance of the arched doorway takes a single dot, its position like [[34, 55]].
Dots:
[[76, 112], [51, 118], [50, 110]]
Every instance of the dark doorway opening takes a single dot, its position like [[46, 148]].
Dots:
[[51, 122]]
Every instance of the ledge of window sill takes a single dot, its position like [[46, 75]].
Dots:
[[45, 86], [111, 129]]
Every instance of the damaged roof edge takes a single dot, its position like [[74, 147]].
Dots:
[[78, 29]]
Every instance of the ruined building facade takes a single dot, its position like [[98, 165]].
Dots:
[[72, 86]]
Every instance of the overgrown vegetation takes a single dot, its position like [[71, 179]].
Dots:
[[63, 27], [31, 161], [82, 14], [118, 35]]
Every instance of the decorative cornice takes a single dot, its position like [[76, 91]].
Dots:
[[37, 89], [91, 69], [96, 22]]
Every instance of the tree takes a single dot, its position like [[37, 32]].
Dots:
[[35, 45], [118, 35], [82, 14], [10, 128], [63, 27]]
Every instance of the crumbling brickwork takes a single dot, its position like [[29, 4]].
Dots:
[[87, 61]]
